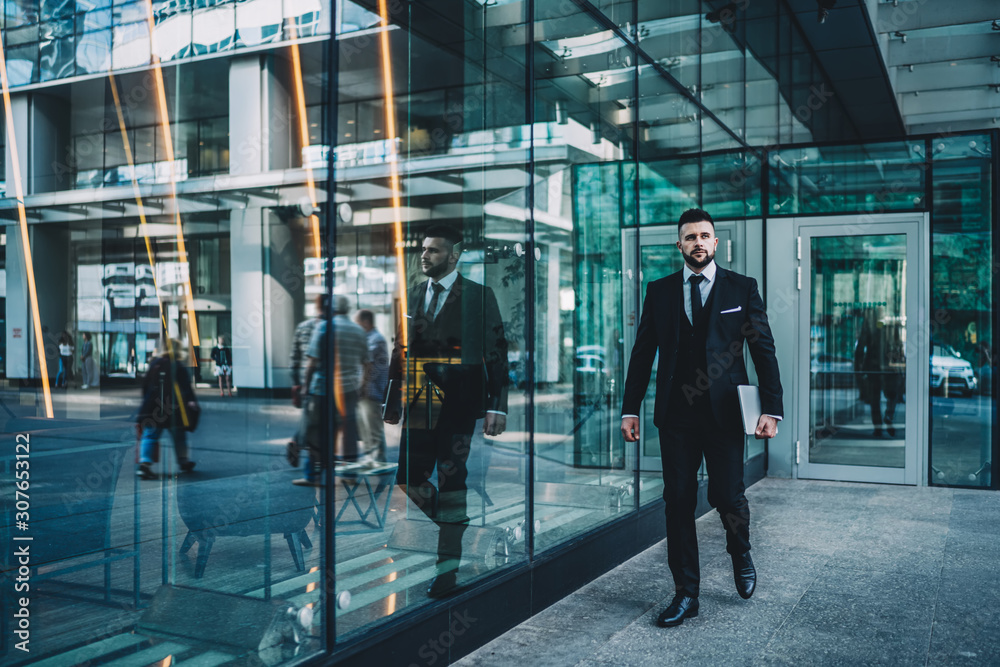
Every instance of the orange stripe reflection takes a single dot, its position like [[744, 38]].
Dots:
[[300, 103], [390, 602], [145, 236], [29, 267], [137, 194], [390, 131], [161, 96]]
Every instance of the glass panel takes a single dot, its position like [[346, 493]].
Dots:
[[585, 87], [670, 33], [871, 178], [962, 366], [667, 189], [432, 190], [731, 184], [668, 120], [162, 304], [721, 61], [656, 260], [857, 350]]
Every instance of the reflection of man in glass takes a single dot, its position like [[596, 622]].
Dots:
[[456, 367], [880, 359], [349, 363]]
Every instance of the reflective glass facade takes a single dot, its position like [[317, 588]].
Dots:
[[249, 427]]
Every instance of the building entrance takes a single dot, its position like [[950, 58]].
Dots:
[[862, 349]]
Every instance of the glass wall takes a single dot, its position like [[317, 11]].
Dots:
[[962, 354], [315, 315]]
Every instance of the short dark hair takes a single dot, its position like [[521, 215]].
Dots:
[[446, 232], [366, 316], [694, 215]]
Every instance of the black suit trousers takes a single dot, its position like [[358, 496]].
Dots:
[[683, 443], [444, 448]]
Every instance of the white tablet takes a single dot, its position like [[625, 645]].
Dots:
[[749, 407]]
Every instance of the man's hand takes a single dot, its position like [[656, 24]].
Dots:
[[494, 423], [767, 427], [297, 395], [630, 428], [392, 415]]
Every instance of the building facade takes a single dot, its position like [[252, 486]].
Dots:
[[180, 173]]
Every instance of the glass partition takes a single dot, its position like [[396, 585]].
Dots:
[[151, 312], [868, 178], [431, 256], [584, 82], [961, 323]]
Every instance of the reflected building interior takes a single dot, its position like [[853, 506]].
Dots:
[[177, 172]]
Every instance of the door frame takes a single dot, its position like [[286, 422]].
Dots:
[[918, 343]]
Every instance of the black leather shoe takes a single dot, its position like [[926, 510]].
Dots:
[[682, 606], [745, 575], [443, 585]]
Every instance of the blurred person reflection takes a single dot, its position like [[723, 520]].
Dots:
[[456, 364], [222, 355], [297, 361], [65, 360], [373, 387], [350, 360], [881, 360], [87, 366], [166, 379]]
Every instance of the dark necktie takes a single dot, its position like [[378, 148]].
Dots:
[[437, 288], [695, 281]]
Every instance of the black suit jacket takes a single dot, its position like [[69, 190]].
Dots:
[[736, 317], [468, 329]]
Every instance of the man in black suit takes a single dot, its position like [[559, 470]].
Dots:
[[455, 357], [699, 319]]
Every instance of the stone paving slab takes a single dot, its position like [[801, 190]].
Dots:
[[848, 574]]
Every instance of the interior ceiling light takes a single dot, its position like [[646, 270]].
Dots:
[[901, 35], [824, 7]]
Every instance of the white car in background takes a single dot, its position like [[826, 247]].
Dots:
[[948, 368]]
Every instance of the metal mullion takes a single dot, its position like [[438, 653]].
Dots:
[[529, 279], [327, 589]]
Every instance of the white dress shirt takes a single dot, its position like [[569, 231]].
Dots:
[[447, 282], [706, 286]]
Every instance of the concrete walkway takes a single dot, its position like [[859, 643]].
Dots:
[[848, 574]]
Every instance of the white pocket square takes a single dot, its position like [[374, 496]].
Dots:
[[732, 310]]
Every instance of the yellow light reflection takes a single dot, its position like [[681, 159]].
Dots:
[[312, 586], [390, 602], [300, 104], [166, 662], [29, 267], [145, 235], [161, 98], [390, 129]]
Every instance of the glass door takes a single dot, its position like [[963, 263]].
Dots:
[[859, 353]]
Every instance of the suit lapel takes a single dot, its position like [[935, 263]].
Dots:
[[417, 300], [676, 298], [452, 300]]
